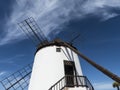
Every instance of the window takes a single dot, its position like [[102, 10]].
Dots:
[[58, 49]]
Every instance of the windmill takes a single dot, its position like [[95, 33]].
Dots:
[[56, 65]]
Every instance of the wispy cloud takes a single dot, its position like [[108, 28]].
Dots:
[[103, 86], [52, 15], [11, 60], [2, 73]]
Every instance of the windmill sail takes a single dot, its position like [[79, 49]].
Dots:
[[18, 80], [33, 31]]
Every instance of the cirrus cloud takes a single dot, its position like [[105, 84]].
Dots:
[[53, 15]]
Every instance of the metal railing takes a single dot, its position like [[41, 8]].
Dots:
[[72, 81]]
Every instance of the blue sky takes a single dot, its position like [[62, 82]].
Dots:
[[98, 23]]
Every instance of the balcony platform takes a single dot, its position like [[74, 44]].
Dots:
[[72, 83]]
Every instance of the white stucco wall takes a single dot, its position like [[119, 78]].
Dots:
[[48, 67]]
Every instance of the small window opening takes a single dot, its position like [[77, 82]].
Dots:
[[58, 49]]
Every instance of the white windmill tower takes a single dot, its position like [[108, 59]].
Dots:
[[56, 65]]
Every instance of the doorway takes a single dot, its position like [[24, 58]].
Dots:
[[69, 73]]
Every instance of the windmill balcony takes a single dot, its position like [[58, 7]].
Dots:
[[69, 82]]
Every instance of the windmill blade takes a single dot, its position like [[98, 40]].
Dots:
[[18, 80], [76, 37], [33, 31], [100, 68]]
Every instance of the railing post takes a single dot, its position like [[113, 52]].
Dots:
[[76, 77]]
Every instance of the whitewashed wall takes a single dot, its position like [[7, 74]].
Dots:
[[48, 67]]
